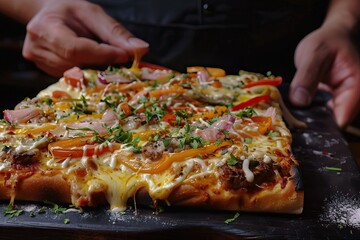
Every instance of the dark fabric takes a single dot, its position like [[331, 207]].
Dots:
[[255, 35]]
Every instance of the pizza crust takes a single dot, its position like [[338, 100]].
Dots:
[[38, 187], [289, 199]]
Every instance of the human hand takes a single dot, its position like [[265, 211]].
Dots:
[[71, 33], [329, 57]]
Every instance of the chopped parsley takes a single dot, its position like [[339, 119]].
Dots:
[[230, 220], [211, 121], [246, 112], [66, 221], [80, 106], [5, 148], [113, 101], [336, 169], [272, 134], [232, 161], [11, 212], [166, 141], [247, 140], [56, 208], [48, 101], [154, 112]]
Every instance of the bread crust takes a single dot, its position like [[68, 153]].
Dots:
[[278, 199], [40, 186]]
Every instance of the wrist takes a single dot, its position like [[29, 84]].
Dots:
[[343, 15], [19, 10]]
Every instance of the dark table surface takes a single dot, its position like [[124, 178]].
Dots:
[[331, 210]]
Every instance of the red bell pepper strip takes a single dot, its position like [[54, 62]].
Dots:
[[272, 81], [250, 102], [152, 66]]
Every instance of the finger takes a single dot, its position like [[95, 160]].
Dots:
[[45, 59], [311, 69], [111, 31], [346, 103], [64, 42]]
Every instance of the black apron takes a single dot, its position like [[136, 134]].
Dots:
[[254, 35]]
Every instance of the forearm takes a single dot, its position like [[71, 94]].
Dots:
[[344, 14], [21, 10]]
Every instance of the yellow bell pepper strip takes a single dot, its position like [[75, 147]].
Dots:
[[171, 90], [251, 102], [166, 160], [271, 81], [214, 72], [264, 123], [79, 147], [44, 128]]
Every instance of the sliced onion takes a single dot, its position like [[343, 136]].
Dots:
[[106, 78]]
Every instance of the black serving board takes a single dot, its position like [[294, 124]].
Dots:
[[332, 202]]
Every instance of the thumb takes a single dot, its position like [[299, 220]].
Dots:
[[312, 66]]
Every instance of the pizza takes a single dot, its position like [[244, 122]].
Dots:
[[123, 136]]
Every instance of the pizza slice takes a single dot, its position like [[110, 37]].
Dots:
[[198, 139]]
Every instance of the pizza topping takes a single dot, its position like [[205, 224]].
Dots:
[[75, 78], [246, 173], [115, 75], [150, 74], [249, 175], [251, 102], [218, 130], [153, 150], [23, 157], [267, 81], [122, 130], [22, 115]]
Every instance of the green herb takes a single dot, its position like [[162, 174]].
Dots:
[[56, 208], [11, 212], [81, 108], [229, 105], [218, 142], [96, 136], [225, 132], [3, 121], [211, 121], [268, 73], [187, 127], [134, 145], [166, 141], [154, 112], [246, 112], [182, 113], [113, 101], [156, 137], [333, 169], [273, 134], [155, 85], [48, 101], [230, 220], [247, 140], [5, 148], [66, 221], [232, 161]]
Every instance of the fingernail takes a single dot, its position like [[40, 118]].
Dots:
[[137, 42], [301, 97]]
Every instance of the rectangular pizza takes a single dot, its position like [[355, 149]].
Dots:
[[123, 136]]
